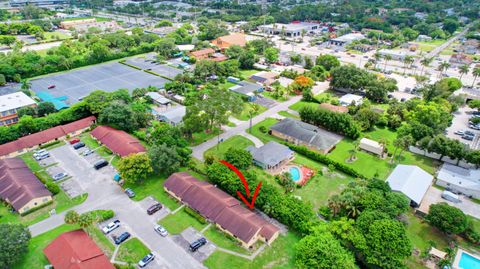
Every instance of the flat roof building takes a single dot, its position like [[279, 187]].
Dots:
[[410, 180], [397, 55], [291, 29], [460, 180], [222, 209], [346, 39], [10, 104], [20, 187]]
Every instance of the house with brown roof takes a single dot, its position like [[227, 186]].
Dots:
[[460, 59], [20, 187], [222, 209], [119, 142], [208, 54], [76, 250], [33, 141], [224, 42]]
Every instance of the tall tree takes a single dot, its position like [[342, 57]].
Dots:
[[13, 244], [135, 167]]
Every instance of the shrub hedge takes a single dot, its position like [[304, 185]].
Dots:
[[194, 214]]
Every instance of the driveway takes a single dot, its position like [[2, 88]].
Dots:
[[104, 193], [434, 196]]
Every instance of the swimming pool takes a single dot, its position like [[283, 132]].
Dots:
[[468, 262], [295, 173]]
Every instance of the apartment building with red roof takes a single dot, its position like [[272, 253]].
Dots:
[[222, 209], [76, 250], [119, 142]]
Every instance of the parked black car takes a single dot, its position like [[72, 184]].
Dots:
[[154, 208], [100, 164], [198, 244], [78, 145], [121, 238]]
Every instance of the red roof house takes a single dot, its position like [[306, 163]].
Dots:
[[76, 250], [119, 142]]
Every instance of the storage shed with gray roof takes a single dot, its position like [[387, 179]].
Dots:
[[301, 133], [271, 156]]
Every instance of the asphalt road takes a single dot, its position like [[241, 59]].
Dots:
[[103, 193]]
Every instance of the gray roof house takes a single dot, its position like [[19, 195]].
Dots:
[[460, 180], [271, 156], [410, 180], [158, 99], [247, 88], [301, 133], [173, 116]]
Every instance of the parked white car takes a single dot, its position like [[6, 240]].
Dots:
[[111, 227]]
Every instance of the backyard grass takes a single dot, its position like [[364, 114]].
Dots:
[[35, 257], [227, 85], [132, 251], [301, 104], [288, 115], [200, 137], [270, 95], [236, 141], [223, 240], [247, 73], [264, 137], [245, 115], [152, 186], [176, 223], [279, 255]]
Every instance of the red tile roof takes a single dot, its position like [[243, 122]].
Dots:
[[45, 136], [76, 250], [203, 53], [119, 142], [219, 207], [18, 185]]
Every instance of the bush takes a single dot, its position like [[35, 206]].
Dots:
[[103, 215], [195, 215], [107, 150], [325, 160], [263, 129], [52, 187], [50, 144], [41, 177], [332, 121]]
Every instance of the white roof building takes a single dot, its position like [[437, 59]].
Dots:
[[410, 180], [371, 146], [15, 101], [458, 179], [346, 39], [349, 98]]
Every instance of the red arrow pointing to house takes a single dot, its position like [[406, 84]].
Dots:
[[245, 184]]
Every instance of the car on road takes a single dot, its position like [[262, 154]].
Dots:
[[59, 176], [74, 141], [42, 156], [459, 132], [154, 208], [160, 230], [130, 193], [51, 86], [78, 145], [197, 244], [87, 152], [111, 226], [146, 260], [39, 152], [121, 238], [100, 164]]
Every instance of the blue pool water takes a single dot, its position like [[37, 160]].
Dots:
[[295, 172], [468, 262]]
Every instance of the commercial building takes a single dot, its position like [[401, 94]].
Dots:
[[271, 156], [221, 209], [119, 142], [460, 180], [21, 3], [301, 133], [76, 250], [397, 55], [10, 104], [412, 181], [224, 42], [20, 188], [291, 29], [346, 39], [29, 142]]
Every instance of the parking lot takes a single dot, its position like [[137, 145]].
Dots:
[[190, 235], [109, 77], [434, 196], [460, 123], [161, 69]]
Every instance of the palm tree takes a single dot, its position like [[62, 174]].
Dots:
[[442, 67], [254, 108], [26, 85], [464, 69], [377, 57], [387, 58], [303, 33], [475, 73], [407, 61], [425, 63], [335, 204]]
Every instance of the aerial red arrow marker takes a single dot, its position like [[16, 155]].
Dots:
[[245, 184]]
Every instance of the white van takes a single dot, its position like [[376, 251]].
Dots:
[[450, 196]]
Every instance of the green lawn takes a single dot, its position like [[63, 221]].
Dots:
[[301, 104], [176, 223], [321, 186], [34, 257], [264, 137], [51, 36], [279, 255], [102, 241], [224, 240], [371, 165], [269, 94], [227, 85], [132, 251], [247, 73], [93, 144], [199, 138], [245, 115], [288, 115], [236, 141], [153, 186], [98, 19]]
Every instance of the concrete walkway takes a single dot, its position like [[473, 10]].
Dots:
[[258, 143], [248, 257]]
